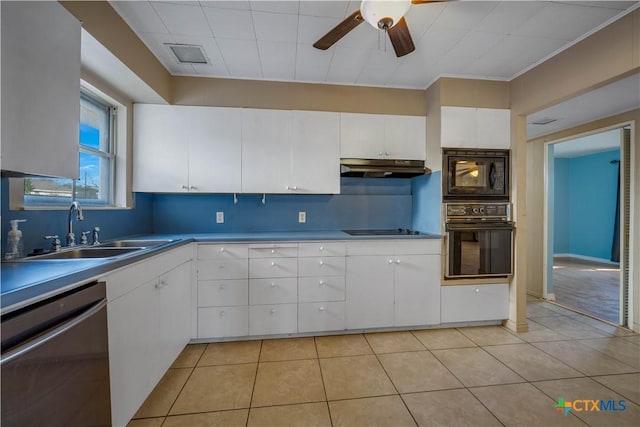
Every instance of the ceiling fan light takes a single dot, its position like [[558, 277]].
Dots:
[[373, 11]]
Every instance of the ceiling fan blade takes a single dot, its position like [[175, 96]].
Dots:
[[426, 1], [401, 38], [339, 31]]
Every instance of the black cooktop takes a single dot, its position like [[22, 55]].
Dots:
[[383, 232]]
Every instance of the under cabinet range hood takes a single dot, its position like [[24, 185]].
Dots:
[[382, 168]]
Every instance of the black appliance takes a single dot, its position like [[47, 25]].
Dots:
[[475, 175], [383, 232], [382, 168], [55, 361], [479, 240]]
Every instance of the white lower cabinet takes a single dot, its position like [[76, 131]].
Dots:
[[223, 290], [471, 303], [321, 316], [149, 323], [273, 319], [392, 283]]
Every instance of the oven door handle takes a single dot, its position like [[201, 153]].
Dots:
[[51, 334], [478, 226]]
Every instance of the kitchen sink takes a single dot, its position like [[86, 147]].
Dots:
[[87, 252], [133, 243]]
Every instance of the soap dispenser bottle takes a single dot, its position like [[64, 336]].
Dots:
[[15, 248]]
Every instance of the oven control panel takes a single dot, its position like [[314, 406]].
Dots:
[[478, 211]]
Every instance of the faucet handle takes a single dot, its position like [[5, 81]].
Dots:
[[55, 242], [83, 239], [95, 235]]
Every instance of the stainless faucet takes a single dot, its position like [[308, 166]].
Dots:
[[75, 207]]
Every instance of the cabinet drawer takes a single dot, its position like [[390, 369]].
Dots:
[[273, 319], [321, 266], [315, 289], [468, 303], [321, 249], [218, 293], [217, 269], [321, 316], [223, 251], [273, 267], [273, 291], [273, 251], [218, 322], [417, 247]]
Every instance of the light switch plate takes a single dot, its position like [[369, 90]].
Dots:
[[219, 217], [302, 217]]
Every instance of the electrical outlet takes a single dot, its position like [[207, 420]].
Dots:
[[302, 217], [219, 217]]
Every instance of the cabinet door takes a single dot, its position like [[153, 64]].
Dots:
[[494, 128], [266, 151], [215, 149], [218, 322], [321, 316], [417, 290], [40, 89], [315, 152], [131, 319], [174, 326], [458, 127], [273, 319], [369, 293], [405, 137], [160, 153], [361, 136]]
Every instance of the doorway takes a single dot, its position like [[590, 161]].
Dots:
[[586, 217]]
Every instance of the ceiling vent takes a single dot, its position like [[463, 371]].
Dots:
[[188, 54], [544, 121]]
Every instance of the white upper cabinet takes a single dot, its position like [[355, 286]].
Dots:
[[40, 89], [290, 152], [266, 151], [468, 127], [179, 149], [315, 152], [382, 136]]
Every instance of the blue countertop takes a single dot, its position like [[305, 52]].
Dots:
[[28, 280]]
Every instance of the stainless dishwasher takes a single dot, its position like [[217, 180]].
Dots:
[[55, 361]]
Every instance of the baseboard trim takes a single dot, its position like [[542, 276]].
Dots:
[[550, 297], [586, 258]]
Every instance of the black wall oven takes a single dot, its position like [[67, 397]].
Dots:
[[475, 175], [479, 240]]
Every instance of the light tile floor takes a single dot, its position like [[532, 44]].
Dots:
[[478, 376]]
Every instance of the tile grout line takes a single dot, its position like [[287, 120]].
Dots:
[[324, 387], [255, 380]]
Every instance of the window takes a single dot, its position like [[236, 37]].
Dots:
[[96, 162]]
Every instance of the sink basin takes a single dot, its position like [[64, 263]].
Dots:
[[91, 252], [133, 243]]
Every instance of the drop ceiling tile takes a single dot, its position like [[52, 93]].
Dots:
[[140, 15], [278, 60], [183, 19], [156, 43], [364, 36], [620, 5], [287, 7], [175, 67], [230, 23], [275, 27], [474, 45], [439, 40], [312, 64], [415, 71], [241, 57], [217, 69], [230, 4], [564, 21], [465, 14], [346, 64], [421, 17], [330, 9], [513, 54], [509, 16], [379, 68]]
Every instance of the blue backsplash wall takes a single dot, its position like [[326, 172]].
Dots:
[[363, 203], [112, 222]]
